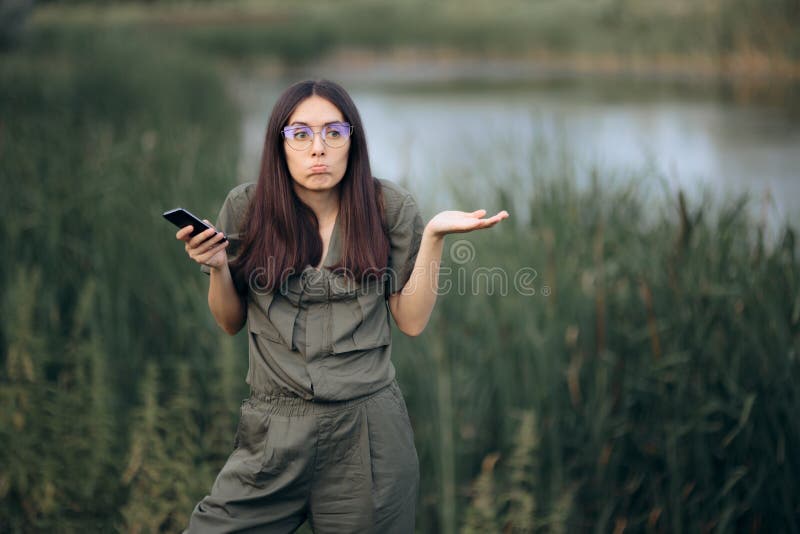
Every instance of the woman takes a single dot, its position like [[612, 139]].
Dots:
[[315, 250]]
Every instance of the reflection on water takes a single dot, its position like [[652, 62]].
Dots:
[[434, 140]]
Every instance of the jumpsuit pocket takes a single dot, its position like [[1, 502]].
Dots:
[[361, 323], [258, 317], [281, 448], [374, 330], [251, 437], [237, 435], [266, 444]]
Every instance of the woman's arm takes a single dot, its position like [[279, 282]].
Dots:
[[412, 306], [225, 304]]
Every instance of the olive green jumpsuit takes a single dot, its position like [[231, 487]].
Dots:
[[325, 434]]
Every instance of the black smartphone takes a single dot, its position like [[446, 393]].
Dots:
[[181, 217]]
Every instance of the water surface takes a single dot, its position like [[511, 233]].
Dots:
[[455, 144]]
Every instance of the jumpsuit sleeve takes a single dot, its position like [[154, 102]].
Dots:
[[405, 235], [230, 220]]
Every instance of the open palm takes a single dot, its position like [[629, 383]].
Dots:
[[451, 222]]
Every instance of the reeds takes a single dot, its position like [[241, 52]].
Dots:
[[100, 133], [658, 355]]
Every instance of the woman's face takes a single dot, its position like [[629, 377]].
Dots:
[[318, 167]]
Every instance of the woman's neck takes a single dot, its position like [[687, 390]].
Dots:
[[324, 204]]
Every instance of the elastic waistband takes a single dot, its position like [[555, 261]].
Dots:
[[289, 406]]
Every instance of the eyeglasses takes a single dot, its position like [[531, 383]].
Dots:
[[334, 135]]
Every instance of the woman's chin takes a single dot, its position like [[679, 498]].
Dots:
[[318, 182]]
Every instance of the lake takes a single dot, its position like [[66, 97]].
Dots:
[[453, 144]]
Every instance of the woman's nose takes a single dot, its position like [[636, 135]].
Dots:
[[317, 145]]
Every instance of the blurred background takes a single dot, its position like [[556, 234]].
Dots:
[[620, 355]]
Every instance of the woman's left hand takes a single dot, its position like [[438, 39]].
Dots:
[[450, 222]]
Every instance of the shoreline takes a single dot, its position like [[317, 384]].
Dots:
[[750, 67], [746, 79]]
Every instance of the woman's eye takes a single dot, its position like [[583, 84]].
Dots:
[[300, 134], [333, 134]]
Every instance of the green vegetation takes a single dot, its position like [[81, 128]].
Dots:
[[648, 382], [745, 36], [100, 133]]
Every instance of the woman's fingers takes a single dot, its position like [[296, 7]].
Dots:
[[205, 244], [206, 256], [184, 232], [210, 243], [486, 223], [201, 237], [480, 214], [494, 219]]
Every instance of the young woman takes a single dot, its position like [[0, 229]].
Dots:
[[315, 251]]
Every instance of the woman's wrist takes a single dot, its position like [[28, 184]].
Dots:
[[219, 269], [432, 235]]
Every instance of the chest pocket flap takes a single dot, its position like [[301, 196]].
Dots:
[[360, 322], [267, 317]]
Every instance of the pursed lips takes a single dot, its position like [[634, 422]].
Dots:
[[318, 168]]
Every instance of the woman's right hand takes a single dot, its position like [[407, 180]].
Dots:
[[206, 248]]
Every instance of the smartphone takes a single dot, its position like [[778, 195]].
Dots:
[[181, 217]]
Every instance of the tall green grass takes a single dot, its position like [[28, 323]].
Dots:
[[100, 133], [658, 358]]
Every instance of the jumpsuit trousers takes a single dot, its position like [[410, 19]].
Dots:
[[347, 466]]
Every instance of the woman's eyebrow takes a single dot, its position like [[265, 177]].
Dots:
[[301, 123]]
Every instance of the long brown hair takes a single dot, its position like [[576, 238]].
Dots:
[[280, 235]]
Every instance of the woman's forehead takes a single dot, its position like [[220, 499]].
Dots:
[[315, 111]]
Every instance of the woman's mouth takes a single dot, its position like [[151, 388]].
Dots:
[[319, 168]]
